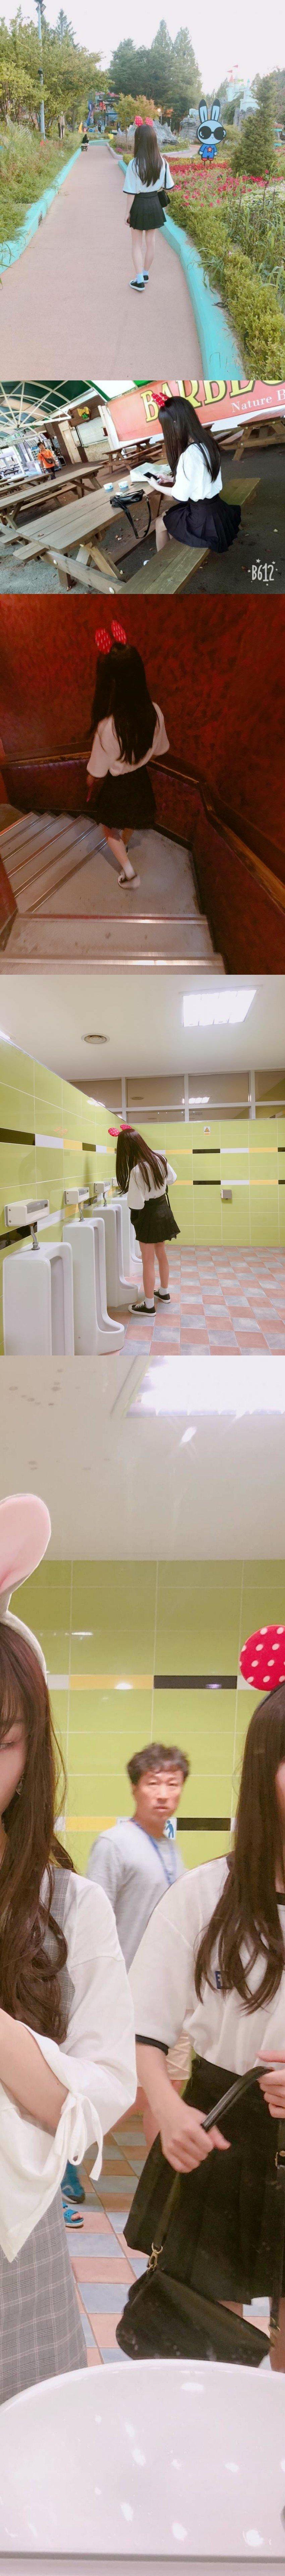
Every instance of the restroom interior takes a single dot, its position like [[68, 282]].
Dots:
[[143, 1646], [208, 1092]]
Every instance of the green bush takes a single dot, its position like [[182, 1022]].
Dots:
[[28, 166], [251, 304]]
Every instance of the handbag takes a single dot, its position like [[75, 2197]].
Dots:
[[162, 192], [163, 2315]]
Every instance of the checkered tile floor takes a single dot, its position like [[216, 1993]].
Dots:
[[219, 1301], [101, 2262]]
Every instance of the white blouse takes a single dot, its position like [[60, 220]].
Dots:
[[163, 1989], [193, 479], [138, 1192], [136, 187], [96, 2063], [106, 758]]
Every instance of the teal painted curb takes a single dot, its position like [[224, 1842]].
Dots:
[[13, 249], [220, 354]]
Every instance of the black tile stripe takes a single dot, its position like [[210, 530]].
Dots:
[[17, 1136], [204, 1825], [213, 1184], [195, 1681], [17, 1234]]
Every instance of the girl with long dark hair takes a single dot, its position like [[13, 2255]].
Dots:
[[129, 732], [148, 182], [213, 1959], [143, 1177], [66, 2022], [197, 514]]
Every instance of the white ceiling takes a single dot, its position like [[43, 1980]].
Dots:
[[47, 1016], [120, 1485]]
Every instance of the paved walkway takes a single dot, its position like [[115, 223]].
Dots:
[[66, 306]]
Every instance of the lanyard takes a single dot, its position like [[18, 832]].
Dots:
[[149, 1838]]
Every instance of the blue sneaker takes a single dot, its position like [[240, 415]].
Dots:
[[71, 2184]]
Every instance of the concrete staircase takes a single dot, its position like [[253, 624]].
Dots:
[[47, 859]]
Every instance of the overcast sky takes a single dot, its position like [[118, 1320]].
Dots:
[[221, 37]]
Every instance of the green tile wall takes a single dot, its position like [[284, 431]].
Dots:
[[248, 1156], [35, 1103], [107, 1631]]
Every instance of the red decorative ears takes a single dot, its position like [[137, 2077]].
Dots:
[[104, 640], [262, 1659], [123, 1130], [143, 120]]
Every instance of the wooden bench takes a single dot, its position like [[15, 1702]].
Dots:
[[172, 569]]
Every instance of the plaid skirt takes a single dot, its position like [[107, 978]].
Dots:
[[40, 2327]]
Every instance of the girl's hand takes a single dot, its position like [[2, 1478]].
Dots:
[[273, 2087], [183, 2137]]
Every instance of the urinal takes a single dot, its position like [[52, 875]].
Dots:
[[93, 1328], [198, 2471], [119, 1272], [38, 1303], [131, 1253]]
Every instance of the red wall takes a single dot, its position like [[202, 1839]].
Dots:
[[216, 667]]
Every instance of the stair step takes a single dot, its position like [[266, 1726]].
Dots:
[[112, 943], [36, 853]]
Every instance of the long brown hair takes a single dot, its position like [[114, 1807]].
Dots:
[[33, 1949], [132, 1148], [247, 1911], [181, 428], [122, 692], [147, 157]]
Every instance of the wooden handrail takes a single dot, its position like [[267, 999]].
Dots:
[[258, 866]]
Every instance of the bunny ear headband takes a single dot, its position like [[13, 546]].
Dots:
[[262, 1659], [25, 1530], [105, 641]]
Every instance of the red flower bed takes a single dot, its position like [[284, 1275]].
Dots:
[[224, 181]]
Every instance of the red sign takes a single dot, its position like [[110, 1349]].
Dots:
[[135, 415]]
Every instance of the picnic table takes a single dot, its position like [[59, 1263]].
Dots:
[[71, 532]]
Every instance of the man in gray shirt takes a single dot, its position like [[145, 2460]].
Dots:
[[135, 1861]]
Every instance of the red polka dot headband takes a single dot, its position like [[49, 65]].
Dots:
[[104, 640], [262, 1659]]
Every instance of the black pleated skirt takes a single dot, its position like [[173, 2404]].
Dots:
[[208, 523], [220, 2239], [155, 1222], [128, 800], [147, 213]]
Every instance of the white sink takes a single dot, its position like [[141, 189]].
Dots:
[[38, 1302], [146, 2460]]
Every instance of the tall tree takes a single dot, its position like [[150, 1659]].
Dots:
[[64, 29]]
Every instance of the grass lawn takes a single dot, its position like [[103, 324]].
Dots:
[[27, 167]]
